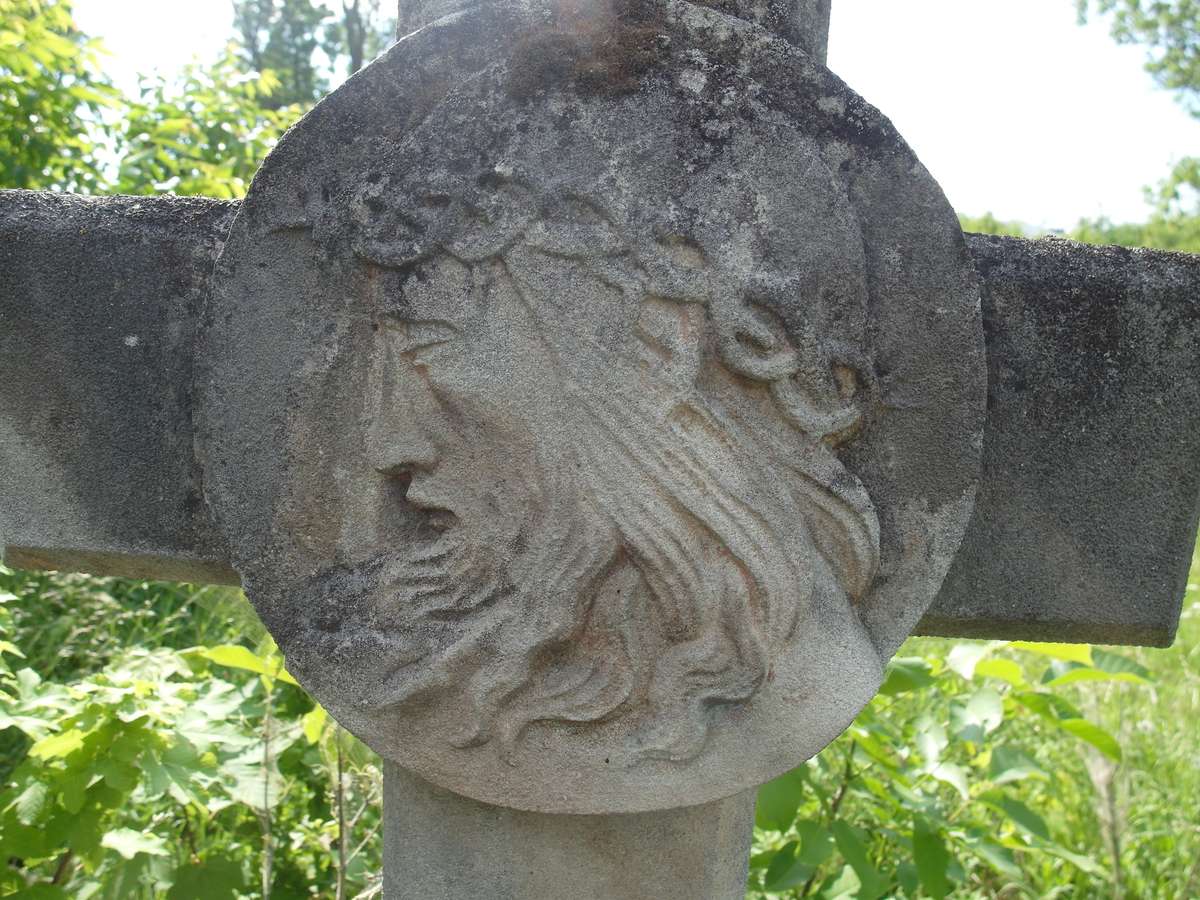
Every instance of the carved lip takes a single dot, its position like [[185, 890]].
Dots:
[[440, 520], [436, 512]]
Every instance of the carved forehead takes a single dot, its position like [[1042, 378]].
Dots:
[[756, 219]]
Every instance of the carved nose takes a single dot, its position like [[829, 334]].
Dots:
[[396, 441], [401, 450]]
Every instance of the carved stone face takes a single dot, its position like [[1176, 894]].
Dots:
[[614, 461], [595, 470]]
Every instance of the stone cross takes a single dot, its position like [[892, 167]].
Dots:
[[591, 397]]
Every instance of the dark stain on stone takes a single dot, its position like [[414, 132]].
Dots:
[[598, 49]]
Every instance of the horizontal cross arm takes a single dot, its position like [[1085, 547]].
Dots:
[[1083, 524], [1086, 515], [99, 302]]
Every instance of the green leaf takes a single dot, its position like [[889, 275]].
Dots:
[[846, 885], [965, 658], [72, 790], [1010, 764], [118, 775], [778, 801], [85, 831], [932, 858], [1078, 653], [57, 745], [931, 738], [854, 851], [214, 879], [31, 803], [130, 843], [314, 725], [816, 843], [1002, 669], [1083, 863], [906, 674], [248, 781], [235, 656], [1115, 664], [995, 855], [1020, 814], [979, 716], [953, 775], [1094, 735], [43, 892], [1083, 673], [1049, 706], [786, 871]]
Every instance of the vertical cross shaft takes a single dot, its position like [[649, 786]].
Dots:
[[440, 846]]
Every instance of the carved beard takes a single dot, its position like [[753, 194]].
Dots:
[[492, 632]]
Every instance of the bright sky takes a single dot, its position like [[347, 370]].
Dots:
[[1014, 108]]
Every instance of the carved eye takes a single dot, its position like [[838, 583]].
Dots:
[[421, 340]]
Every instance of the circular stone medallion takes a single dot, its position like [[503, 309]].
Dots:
[[593, 407]]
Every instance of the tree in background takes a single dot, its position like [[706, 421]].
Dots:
[[282, 37], [52, 94], [203, 132], [361, 33], [1170, 32], [303, 42]]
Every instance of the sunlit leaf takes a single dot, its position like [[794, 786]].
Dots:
[[31, 803], [1002, 669], [57, 745], [979, 716], [314, 725], [1094, 735], [931, 738], [235, 656], [964, 658], [953, 775], [1079, 653], [130, 843]]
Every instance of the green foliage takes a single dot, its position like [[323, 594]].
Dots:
[[1168, 30], [1000, 769], [989, 224], [1180, 233], [180, 771], [282, 37], [303, 43], [205, 132], [51, 96], [361, 33]]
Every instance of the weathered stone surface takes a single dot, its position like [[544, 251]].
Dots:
[[98, 308], [1086, 517], [621, 411], [440, 846], [1051, 296]]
